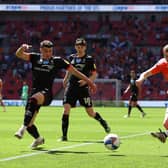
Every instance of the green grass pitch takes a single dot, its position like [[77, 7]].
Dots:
[[84, 149]]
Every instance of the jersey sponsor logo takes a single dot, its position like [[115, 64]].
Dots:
[[80, 66], [44, 65], [48, 66]]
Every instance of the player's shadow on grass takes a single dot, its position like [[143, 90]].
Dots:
[[165, 156], [64, 152], [117, 155], [40, 149], [60, 151]]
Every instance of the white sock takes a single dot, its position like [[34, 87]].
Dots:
[[166, 132], [23, 127]]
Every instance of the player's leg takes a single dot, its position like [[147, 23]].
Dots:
[[162, 135], [69, 100], [129, 109], [86, 101], [98, 117], [140, 109], [32, 129], [65, 121], [30, 112], [3, 105]]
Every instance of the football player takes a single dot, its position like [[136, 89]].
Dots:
[[77, 89], [160, 67], [44, 67], [133, 101]]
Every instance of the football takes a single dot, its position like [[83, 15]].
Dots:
[[112, 141]]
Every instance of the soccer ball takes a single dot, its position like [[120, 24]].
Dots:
[[112, 141]]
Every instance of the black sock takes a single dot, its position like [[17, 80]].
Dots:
[[30, 110], [129, 110], [33, 131], [140, 109], [98, 117], [101, 120], [65, 124]]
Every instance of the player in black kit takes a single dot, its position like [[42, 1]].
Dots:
[[133, 101], [44, 68], [76, 89]]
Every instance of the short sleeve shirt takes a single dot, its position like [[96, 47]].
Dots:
[[44, 71]]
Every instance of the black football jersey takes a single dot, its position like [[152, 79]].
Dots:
[[134, 88], [84, 64], [44, 71]]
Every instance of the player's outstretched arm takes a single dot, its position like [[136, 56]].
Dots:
[[126, 90], [66, 78], [21, 52], [143, 76], [78, 74]]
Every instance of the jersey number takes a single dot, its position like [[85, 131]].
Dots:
[[87, 100]]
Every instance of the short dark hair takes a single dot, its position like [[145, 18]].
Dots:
[[46, 43], [80, 41]]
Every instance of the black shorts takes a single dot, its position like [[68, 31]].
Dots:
[[134, 97], [72, 94], [47, 95]]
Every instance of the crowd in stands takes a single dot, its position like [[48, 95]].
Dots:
[[118, 46]]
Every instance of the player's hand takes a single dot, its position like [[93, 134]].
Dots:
[[82, 83], [26, 47], [93, 88]]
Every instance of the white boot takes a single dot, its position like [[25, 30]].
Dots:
[[37, 142]]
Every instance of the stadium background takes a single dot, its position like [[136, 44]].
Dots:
[[119, 41]]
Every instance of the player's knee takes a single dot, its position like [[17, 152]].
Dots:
[[165, 124], [66, 112], [31, 105], [91, 113], [67, 109], [29, 126]]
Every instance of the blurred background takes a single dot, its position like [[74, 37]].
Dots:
[[119, 41]]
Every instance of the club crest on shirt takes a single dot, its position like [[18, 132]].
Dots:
[[78, 60]]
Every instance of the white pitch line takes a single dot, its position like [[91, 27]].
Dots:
[[41, 152], [64, 147], [134, 135]]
